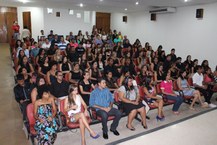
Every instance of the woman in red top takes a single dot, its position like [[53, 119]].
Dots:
[[16, 29]]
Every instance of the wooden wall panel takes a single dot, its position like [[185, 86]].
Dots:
[[7, 16]]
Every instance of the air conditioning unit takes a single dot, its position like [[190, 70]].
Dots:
[[163, 10]]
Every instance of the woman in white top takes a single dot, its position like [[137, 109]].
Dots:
[[73, 106]]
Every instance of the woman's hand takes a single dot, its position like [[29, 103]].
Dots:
[[49, 118], [73, 107], [86, 113]]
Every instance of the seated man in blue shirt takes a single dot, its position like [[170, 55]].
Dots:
[[101, 99]]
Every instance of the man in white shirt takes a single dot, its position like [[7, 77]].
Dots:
[[25, 33], [46, 45], [198, 83]]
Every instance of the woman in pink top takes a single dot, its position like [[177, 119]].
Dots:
[[167, 89], [208, 80]]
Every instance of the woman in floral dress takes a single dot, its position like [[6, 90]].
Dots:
[[44, 112]]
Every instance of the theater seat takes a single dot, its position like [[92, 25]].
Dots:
[[31, 118], [69, 124]]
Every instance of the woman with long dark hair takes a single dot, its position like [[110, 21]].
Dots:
[[187, 91], [153, 98], [129, 97], [73, 104]]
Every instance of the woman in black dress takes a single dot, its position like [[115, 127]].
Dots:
[[75, 75], [85, 87]]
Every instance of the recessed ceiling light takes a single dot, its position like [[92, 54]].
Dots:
[[137, 3], [81, 5], [125, 9], [23, 1], [186, 0]]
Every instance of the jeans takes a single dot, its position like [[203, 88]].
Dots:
[[104, 115], [178, 101]]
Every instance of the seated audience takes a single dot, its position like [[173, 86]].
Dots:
[[159, 74], [102, 99], [110, 82], [130, 100], [34, 94], [58, 56], [59, 88], [95, 74], [153, 98], [40, 57], [76, 74], [73, 104], [199, 85], [22, 94], [183, 86], [25, 64], [65, 66], [27, 77], [44, 113], [44, 68], [85, 87], [51, 74], [166, 87]]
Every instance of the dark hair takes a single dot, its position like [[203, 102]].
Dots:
[[147, 83], [180, 74], [125, 83], [38, 80], [198, 67], [43, 89], [57, 72], [70, 97], [51, 64], [20, 77], [99, 80]]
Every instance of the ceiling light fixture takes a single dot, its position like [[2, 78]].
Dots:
[[137, 3], [125, 9], [186, 0], [81, 5], [23, 1]]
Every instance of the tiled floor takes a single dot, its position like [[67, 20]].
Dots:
[[200, 130], [203, 128], [11, 132]]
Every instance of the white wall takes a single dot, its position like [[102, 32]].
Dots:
[[180, 30], [41, 20], [37, 19], [66, 23]]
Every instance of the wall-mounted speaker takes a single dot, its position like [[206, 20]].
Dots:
[[57, 14], [153, 17], [124, 18], [199, 13]]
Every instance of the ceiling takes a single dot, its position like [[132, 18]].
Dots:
[[106, 5]]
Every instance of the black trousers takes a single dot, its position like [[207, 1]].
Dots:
[[207, 93], [104, 115], [23, 107]]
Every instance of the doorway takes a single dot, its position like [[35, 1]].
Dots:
[[27, 21], [103, 21]]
